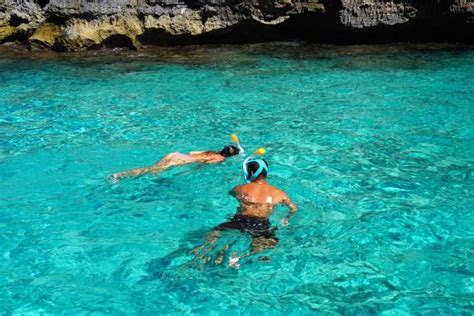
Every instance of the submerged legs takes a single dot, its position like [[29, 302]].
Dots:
[[202, 252], [259, 244]]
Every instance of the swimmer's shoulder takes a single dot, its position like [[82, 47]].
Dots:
[[240, 188], [237, 189], [278, 194], [247, 189]]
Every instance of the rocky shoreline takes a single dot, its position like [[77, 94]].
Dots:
[[77, 25]]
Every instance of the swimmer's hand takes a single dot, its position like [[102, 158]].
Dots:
[[284, 221], [234, 261], [116, 177]]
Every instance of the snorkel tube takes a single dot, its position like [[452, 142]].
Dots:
[[236, 140], [262, 165]]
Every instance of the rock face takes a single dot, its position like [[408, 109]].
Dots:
[[72, 25]]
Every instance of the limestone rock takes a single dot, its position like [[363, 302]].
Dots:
[[45, 36], [4, 19], [220, 18], [6, 31], [86, 24], [81, 34], [367, 13], [185, 22], [92, 9]]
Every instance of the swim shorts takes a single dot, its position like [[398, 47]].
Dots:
[[256, 227]]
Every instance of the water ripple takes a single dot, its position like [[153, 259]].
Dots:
[[375, 145]]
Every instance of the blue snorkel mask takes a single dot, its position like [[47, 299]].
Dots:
[[261, 166]]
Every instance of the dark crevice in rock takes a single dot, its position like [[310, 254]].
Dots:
[[321, 28], [56, 19], [206, 13], [154, 36], [325, 29], [60, 47], [194, 4], [249, 31], [18, 37], [116, 41], [9, 39], [43, 3], [17, 20], [432, 10], [60, 19]]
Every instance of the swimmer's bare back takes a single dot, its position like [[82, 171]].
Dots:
[[258, 199], [174, 159]]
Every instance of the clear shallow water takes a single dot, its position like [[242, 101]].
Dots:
[[376, 147]]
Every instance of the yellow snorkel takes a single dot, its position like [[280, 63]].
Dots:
[[236, 140], [259, 152]]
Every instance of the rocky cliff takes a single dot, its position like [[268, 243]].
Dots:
[[87, 24]]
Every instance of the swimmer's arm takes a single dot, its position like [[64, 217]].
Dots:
[[195, 152], [293, 209], [291, 205], [215, 159]]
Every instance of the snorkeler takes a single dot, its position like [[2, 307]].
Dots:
[[178, 159], [257, 201]]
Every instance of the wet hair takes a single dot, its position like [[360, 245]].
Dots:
[[229, 151], [253, 166]]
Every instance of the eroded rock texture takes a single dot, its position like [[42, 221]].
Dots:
[[85, 24]]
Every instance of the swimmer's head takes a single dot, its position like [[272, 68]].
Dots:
[[255, 169], [229, 151]]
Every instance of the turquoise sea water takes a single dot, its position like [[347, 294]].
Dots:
[[375, 145]]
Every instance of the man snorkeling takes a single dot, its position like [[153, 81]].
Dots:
[[257, 201], [178, 159]]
